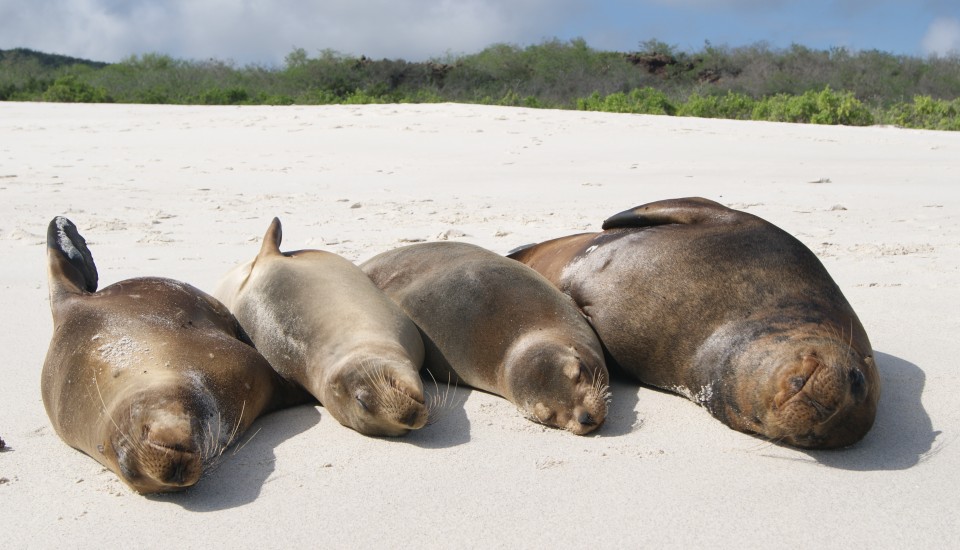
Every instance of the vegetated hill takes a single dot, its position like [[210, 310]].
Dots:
[[46, 60], [795, 84]]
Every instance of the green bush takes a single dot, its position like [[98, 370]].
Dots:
[[824, 107], [926, 112], [218, 96], [840, 108], [69, 89], [785, 108], [730, 106], [639, 101]]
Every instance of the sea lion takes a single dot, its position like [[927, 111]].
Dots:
[[322, 324], [148, 376], [499, 326], [726, 309]]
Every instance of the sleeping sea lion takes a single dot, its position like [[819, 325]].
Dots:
[[148, 376], [726, 309], [498, 326], [322, 324]]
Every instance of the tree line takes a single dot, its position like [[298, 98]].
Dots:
[[755, 82]]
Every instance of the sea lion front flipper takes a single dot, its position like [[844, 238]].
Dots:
[[690, 210], [70, 265]]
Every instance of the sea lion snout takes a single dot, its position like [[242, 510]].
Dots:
[[376, 398], [159, 451], [586, 419], [824, 400]]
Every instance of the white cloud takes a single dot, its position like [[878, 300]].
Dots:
[[943, 37], [265, 31]]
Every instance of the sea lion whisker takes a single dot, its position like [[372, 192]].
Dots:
[[435, 401], [215, 443], [377, 380], [850, 343], [130, 441], [765, 443], [438, 402], [236, 428], [218, 447], [206, 449], [240, 447], [601, 389]]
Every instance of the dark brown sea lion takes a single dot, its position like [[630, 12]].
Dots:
[[148, 376], [499, 326], [321, 323], [726, 309]]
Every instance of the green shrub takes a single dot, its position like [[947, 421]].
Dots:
[[926, 112], [361, 97], [70, 89], [824, 107], [785, 108], [840, 108], [219, 96], [639, 101], [730, 106]]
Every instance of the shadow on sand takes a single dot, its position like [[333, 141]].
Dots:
[[621, 414], [448, 425], [902, 435]]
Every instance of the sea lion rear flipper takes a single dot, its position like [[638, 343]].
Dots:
[[70, 264], [271, 239], [690, 210], [515, 252]]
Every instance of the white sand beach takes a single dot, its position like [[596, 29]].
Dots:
[[187, 193]]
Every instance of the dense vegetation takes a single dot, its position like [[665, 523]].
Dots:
[[755, 82]]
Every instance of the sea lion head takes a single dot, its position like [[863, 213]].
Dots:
[[824, 395], [810, 388], [375, 396], [163, 439], [557, 384]]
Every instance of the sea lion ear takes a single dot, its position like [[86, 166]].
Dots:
[[271, 239], [69, 260], [690, 210]]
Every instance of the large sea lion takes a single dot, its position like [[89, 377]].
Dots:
[[148, 376], [322, 323], [726, 309], [499, 326]]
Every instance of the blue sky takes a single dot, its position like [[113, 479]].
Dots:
[[265, 31]]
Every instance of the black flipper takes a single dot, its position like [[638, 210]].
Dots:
[[691, 210], [70, 264]]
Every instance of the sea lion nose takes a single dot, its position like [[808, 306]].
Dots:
[[177, 476], [858, 384], [586, 419], [411, 418]]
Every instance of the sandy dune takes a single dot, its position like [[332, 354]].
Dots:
[[187, 192]]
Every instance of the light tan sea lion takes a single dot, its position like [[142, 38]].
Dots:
[[500, 327], [322, 324], [726, 309], [148, 376]]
